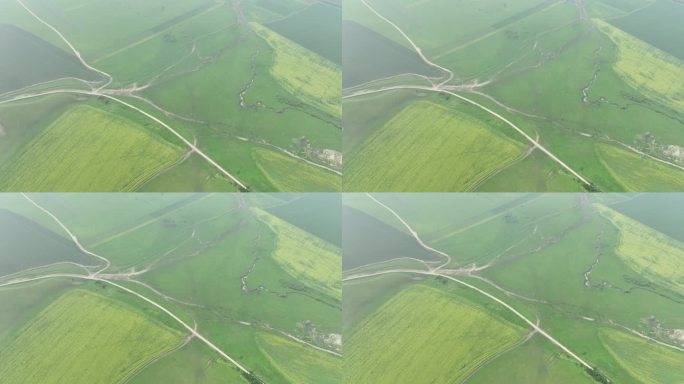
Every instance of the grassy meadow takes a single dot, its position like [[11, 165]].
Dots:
[[415, 337], [312, 261], [113, 342], [310, 367], [446, 161], [111, 153], [309, 77]]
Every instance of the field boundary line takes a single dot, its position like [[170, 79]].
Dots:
[[494, 32], [153, 35], [479, 222], [144, 223]]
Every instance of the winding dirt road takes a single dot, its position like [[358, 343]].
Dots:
[[450, 74], [73, 49], [413, 233]]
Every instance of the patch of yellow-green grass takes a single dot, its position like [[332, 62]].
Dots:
[[423, 335], [292, 175], [84, 338], [647, 362], [311, 260], [88, 149], [300, 363], [427, 147], [646, 68], [312, 78], [652, 254], [638, 173]]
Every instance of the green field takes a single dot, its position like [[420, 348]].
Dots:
[[76, 153], [312, 261], [190, 364], [636, 173], [311, 367], [658, 211], [436, 328], [94, 26], [304, 213], [646, 362], [646, 68], [368, 240], [647, 251], [289, 174], [193, 174], [443, 142], [533, 362], [655, 25], [92, 339], [370, 56], [312, 78], [437, 35]]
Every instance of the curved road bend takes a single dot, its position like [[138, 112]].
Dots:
[[76, 52], [450, 75], [71, 235], [414, 233]]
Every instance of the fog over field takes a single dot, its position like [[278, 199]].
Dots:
[[514, 288], [588, 90], [173, 288], [217, 86]]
